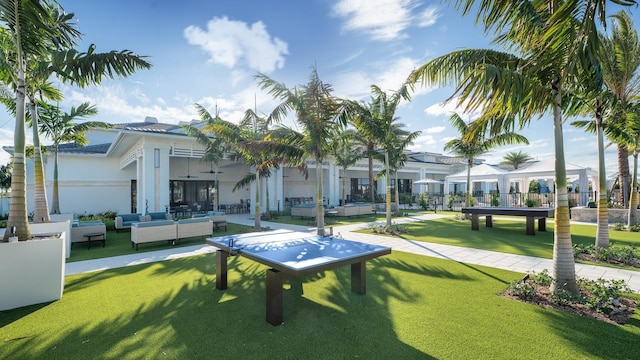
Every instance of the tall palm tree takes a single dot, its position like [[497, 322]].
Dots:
[[395, 158], [241, 141], [368, 135], [215, 147], [383, 109], [515, 159], [346, 153], [27, 32], [317, 114], [474, 142], [63, 128], [552, 43], [37, 34], [620, 61]]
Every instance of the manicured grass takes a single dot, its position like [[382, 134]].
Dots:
[[344, 220], [416, 307], [505, 236], [119, 243]]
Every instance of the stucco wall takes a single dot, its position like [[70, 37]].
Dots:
[[584, 214]]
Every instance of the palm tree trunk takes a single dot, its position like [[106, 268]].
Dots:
[[267, 210], [257, 226], [602, 231], [55, 199], [41, 210], [397, 193], [372, 190], [467, 198], [344, 176], [387, 178], [623, 173], [632, 219], [564, 271], [319, 200], [18, 206]]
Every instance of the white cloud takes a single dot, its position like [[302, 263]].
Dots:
[[382, 19], [449, 108], [434, 130], [388, 76], [229, 42], [428, 17]]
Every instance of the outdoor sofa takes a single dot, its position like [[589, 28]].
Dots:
[[169, 230], [354, 210], [81, 228], [200, 226], [218, 218], [124, 221], [304, 211], [156, 216], [152, 231]]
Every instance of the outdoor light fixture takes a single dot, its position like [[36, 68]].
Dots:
[[156, 158]]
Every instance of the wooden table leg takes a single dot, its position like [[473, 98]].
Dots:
[[475, 222], [359, 278], [274, 297], [488, 221], [530, 229], [542, 224], [221, 269]]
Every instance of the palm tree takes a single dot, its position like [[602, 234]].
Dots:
[[215, 147], [620, 61], [63, 128], [346, 154], [27, 32], [243, 142], [39, 35], [474, 142], [383, 109], [556, 41], [395, 158], [368, 135], [317, 114], [515, 159]]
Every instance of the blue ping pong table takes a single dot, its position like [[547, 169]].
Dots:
[[292, 254]]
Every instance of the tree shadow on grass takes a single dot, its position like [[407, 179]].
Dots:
[[173, 310]]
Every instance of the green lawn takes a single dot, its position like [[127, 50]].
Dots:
[[119, 243], [506, 235], [416, 307]]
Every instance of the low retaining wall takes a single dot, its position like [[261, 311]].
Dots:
[[585, 214]]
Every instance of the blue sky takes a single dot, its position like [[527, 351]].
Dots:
[[208, 52]]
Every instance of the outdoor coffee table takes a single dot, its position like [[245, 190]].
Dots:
[[99, 235], [294, 254]]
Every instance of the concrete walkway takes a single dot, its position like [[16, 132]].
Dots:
[[518, 263]]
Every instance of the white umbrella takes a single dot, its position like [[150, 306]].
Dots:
[[428, 181]]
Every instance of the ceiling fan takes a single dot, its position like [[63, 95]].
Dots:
[[188, 176], [211, 171]]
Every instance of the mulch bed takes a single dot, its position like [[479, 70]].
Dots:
[[543, 298]]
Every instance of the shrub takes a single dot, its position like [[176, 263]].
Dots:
[[423, 201], [522, 289], [635, 228], [618, 226], [495, 200]]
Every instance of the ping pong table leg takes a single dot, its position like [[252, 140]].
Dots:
[[275, 281], [221, 269], [359, 277], [530, 228]]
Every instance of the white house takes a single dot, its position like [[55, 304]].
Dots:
[[150, 166]]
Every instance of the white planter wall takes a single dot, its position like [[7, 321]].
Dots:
[[31, 272]]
